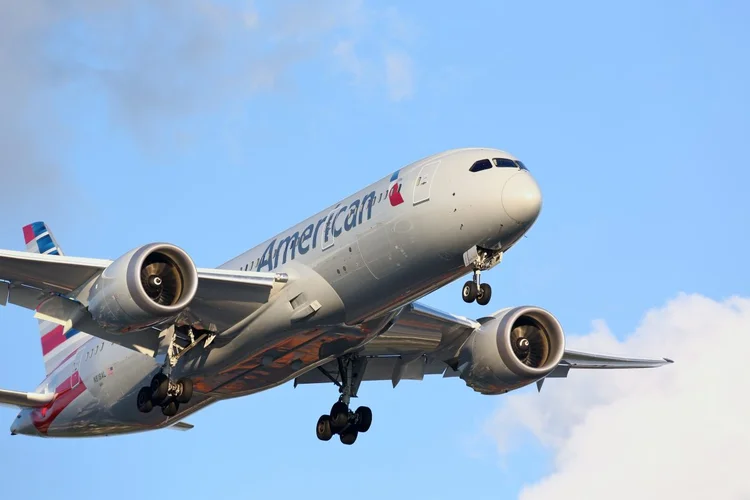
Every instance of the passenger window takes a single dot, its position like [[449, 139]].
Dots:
[[480, 165], [504, 162]]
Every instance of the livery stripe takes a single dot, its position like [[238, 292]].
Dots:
[[28, 234], [45, 243], [56, 337], [394, 177], [42, 418]]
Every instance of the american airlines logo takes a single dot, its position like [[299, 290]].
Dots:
[[341, 219], [394, 191]]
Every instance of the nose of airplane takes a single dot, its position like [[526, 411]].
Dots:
[[522, 199], [22, 425]]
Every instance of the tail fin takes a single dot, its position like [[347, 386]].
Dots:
[[39, 239], [57, 344]]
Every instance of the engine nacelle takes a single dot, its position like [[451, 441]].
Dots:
[[513, 348], [144, 287]]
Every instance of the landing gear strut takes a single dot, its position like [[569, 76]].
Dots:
[[474, 289], [164, 391], [342, 420]]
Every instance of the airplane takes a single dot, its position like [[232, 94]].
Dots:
[[330, 300]]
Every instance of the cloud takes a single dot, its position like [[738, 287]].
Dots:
[[399, 76], [680, 431], [30, 172]]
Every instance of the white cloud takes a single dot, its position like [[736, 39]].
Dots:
[[680, 431], [399, 75]]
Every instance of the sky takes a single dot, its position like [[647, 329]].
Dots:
[[215, 125]]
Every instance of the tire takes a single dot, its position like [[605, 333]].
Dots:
[[349, 437], [469, 292], [170, 409], [339, 416], [144, 400], [323, 429], [186, 392], [364, 420], [159, 388], [485, 294]]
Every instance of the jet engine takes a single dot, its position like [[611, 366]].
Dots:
[[144, 287], [512, 348]]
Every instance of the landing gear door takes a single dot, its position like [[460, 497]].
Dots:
[[425, 179]]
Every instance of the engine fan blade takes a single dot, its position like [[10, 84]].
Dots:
[[161, 281]]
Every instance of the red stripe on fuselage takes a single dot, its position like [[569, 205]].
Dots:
[[54, 338], [43, 417]]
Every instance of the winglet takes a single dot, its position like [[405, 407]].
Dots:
[[668, 360]]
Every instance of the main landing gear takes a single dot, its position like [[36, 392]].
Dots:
[[164, 391], [474, 289], [342, 420]]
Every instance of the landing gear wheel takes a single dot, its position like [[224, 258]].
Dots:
[[159, 388], [339, 416], [485, 293], [145, 404], [469, 292], [364, 418], [349, 436], [170, 409], [186, 390], [323, 429]]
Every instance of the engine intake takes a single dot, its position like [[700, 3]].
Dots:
[[144, 287], [513, 348]]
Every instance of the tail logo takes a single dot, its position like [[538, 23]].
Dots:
[[394, 191]]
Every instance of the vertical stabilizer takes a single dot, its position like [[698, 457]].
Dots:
[[58, 345], [39, 239]]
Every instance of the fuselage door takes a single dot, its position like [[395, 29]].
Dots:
[[425, 179], [75, 377]]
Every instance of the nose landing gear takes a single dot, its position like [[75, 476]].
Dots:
[[474, 289]]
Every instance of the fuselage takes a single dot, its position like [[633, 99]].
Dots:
[[357, 261]]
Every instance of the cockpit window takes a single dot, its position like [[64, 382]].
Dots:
[[521, 165], [480, 165], [504, 162]]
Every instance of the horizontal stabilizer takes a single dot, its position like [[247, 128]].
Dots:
[[25, 399]]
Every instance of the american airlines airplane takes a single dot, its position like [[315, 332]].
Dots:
[[143, 341]]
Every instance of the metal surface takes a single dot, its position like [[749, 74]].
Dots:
[[342, 282]]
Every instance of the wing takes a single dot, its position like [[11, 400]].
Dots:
[[25, 399], [48, 284], [425, 341]]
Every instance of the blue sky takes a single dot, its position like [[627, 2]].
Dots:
[[214, 125]]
